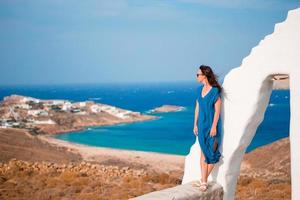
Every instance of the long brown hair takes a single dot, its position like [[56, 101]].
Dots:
[[211, 76]]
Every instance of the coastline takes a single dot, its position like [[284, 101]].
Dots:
[[89, 165], [53, 117], [144, 118], [56, 130], [61, 116], [160, 162]]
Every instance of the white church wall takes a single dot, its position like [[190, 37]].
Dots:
[[247, 90]]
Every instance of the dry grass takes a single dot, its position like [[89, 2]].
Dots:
[[25, 181], [262, 189]]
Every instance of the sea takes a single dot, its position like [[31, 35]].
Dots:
[[171, 133]]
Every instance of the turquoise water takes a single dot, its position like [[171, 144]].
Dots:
[[171, 133]]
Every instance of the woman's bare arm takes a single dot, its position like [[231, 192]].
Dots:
[[196, 113], [217, 112]]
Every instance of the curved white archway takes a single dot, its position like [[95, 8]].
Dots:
[[247, 90]]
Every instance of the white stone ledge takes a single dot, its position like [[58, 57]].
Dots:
[[185, 192]]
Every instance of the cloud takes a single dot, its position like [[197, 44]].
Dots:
[[247, 4]]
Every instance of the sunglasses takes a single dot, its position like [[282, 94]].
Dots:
[[199, 75]]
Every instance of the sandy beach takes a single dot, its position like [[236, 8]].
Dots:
[[159, 162]]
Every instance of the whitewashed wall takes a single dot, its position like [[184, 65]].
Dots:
[[247, 90]]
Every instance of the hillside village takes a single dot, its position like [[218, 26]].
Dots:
[[33, 114]]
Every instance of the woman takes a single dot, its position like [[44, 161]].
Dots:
[[207, 123]]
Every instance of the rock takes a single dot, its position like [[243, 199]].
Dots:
[[186, 192], [2, 179], [167, 108]]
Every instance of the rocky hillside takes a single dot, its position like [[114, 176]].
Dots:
[[33, 169], [17, 143], [265, 173], [47, 180]]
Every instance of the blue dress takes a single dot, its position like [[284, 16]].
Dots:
[[205, 120]]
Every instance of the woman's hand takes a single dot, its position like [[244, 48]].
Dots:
[[195, 130], [213, 131]]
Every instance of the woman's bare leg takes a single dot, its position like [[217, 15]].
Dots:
[[210, 168], [203, 168], [201, 164]]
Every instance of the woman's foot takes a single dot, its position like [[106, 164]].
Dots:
[[203, 186], [196, 184]]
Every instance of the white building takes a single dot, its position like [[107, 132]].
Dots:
[[108, 108], [120, 113], [123, 115], [79, 105], [23, 106], [37, 112], [54, 102], [57, 102], [26, 99], [5, 124], [49, 121], [95, 108], [82, 104], [66, 106]]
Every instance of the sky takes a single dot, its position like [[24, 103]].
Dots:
[[118, 41]]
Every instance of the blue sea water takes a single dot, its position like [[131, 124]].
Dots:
[[171, 133]]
